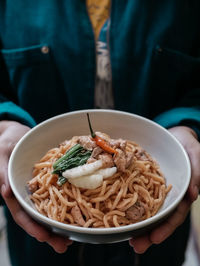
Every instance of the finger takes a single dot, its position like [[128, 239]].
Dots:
[[140, 244], [23, 220], [188, 138], [161, 233], [4, 182], [59, 244], [194, 155], [3, 125], [6, 189], [10, 139]]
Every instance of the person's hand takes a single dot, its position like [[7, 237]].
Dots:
[[188, 138], [10, 134]]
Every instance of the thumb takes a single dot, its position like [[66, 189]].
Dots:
[[6, 191], [5, 188], [194, 187]]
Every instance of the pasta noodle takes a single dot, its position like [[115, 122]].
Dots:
[[124, 198]]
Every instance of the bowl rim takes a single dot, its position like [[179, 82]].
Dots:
[[111, 230]]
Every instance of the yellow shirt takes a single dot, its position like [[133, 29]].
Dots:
[[99, 12]]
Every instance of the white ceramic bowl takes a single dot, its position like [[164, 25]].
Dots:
[[162, 146]]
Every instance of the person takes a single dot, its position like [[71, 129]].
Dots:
[[136, 56]]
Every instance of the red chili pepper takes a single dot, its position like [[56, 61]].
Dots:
[[99, 141]]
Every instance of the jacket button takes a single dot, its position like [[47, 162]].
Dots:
[[45, 49]]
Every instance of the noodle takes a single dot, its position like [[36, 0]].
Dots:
[[141, 188]]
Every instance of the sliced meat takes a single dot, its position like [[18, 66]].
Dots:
[[135, 212], [120, 160], [107, 160], [118, 143], [129, 159], [87, 143], [141, 155], [76, 214], [96, 152], [94, 155]]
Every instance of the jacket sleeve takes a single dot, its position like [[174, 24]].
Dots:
[[9, 110], [187, 112]]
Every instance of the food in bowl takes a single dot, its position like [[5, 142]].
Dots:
[[99, 182]]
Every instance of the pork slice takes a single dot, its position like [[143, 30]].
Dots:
[[141, 155], [129, 158], [76, 214], [135, 212], [87, 143], [118, 143], [120, 160], [96, 152], [107, 160]]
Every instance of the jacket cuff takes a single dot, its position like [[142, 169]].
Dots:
[[187, 116], [10, 111]]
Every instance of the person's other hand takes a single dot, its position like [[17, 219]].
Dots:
[[188, 138], [10, 134]]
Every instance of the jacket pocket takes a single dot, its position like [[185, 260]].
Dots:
[[35, 81]]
